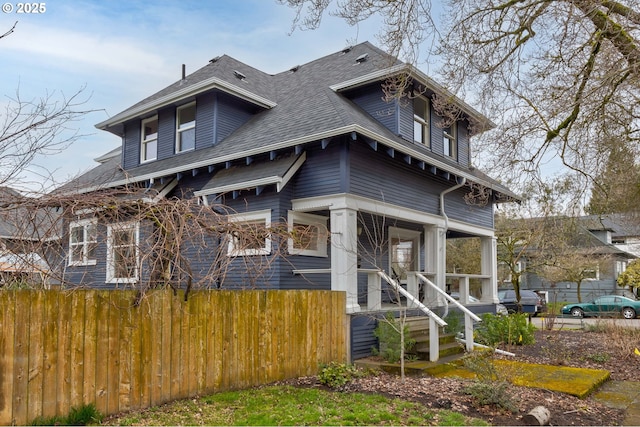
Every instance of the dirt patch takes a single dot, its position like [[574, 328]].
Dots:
[[563, 348]]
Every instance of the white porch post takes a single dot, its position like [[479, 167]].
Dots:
[[435, 261], [489, 267], [344, 255]]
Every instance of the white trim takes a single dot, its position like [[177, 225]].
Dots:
[[179, 131], [320, 222], [385, 209], [189, 91], [162, 193], [84, 223], [110, 270], [280, 181], [263, 215]]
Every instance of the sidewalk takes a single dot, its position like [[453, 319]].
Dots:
[[573, 323]]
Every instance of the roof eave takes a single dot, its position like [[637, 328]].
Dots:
[[185, 93], [484, 122]]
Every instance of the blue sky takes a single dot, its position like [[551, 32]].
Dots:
[[123, 51]]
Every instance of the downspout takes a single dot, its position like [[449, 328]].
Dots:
[[449, 190], [446, 220]]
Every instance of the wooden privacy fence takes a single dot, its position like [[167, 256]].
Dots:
[[61, 349]]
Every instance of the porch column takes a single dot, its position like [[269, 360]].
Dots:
[[489, 267], [344, 255], [435, 259]]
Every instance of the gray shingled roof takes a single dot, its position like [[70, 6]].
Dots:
[[304, 109]]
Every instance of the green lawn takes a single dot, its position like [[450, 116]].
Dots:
[[286, 405]]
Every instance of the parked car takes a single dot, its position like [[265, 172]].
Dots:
[[607, 305], [500, 309], [530, 302]]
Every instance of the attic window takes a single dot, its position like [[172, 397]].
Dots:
[[239, 75], [362, 58]]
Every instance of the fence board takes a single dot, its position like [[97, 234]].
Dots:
[[8, 325], [62, 349]]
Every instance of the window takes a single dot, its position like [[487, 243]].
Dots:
[[592, 273], [149, 145], [308, 234], [186, 127], [249, 233], [450, 141], [122, 253], [82, 242], [421, 121], [404, 250]]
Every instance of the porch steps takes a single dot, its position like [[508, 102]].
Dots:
[[419, 331]]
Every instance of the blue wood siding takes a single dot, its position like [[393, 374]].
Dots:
[[166, 132], [232, 113], [205, 120], [457, 208], [405, 119], [369, 98], [320, 174], [362, 338], [403, 184], [464, 150], [131, 144]]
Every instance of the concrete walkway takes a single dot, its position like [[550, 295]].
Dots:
[[622, 395]]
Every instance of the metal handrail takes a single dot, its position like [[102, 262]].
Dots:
[[411, 298], [462, 308]]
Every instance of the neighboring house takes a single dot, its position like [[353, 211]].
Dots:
[[25, 245], [316, 145], [590, 238]]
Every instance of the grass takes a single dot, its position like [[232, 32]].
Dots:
[[286, 405]]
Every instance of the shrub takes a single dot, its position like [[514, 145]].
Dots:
[[513, 329], [78, 416], [455, 322], [492, 393], [336, 375], [388, 333]]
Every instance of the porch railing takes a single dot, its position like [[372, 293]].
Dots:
[[469, 316]]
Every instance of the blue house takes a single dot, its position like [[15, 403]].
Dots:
[[319, 145]]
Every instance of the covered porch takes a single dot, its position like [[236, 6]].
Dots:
[[386, 257]]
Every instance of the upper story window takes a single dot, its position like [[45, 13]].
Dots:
[[421, 121], [149, 144], [122, 253], [450, 135], [186, 127], [249, 233], [82, 242]]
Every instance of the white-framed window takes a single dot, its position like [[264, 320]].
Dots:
[[450, 140], [421, 115], [82, 242], [621, 266], [404, 252], [592, 273], [149, 139], [186, 127], [249, 233], [308, 234], [123, 252]]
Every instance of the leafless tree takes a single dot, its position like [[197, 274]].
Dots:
[[35, 127], [558, 77]]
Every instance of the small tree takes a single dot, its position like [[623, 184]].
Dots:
[[631, 277]]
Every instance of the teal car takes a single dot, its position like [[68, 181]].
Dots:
[[607, 305]]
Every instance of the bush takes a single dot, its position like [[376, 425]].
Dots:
[[513, 329], [336, 375], [78, 416], [388, 333]]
